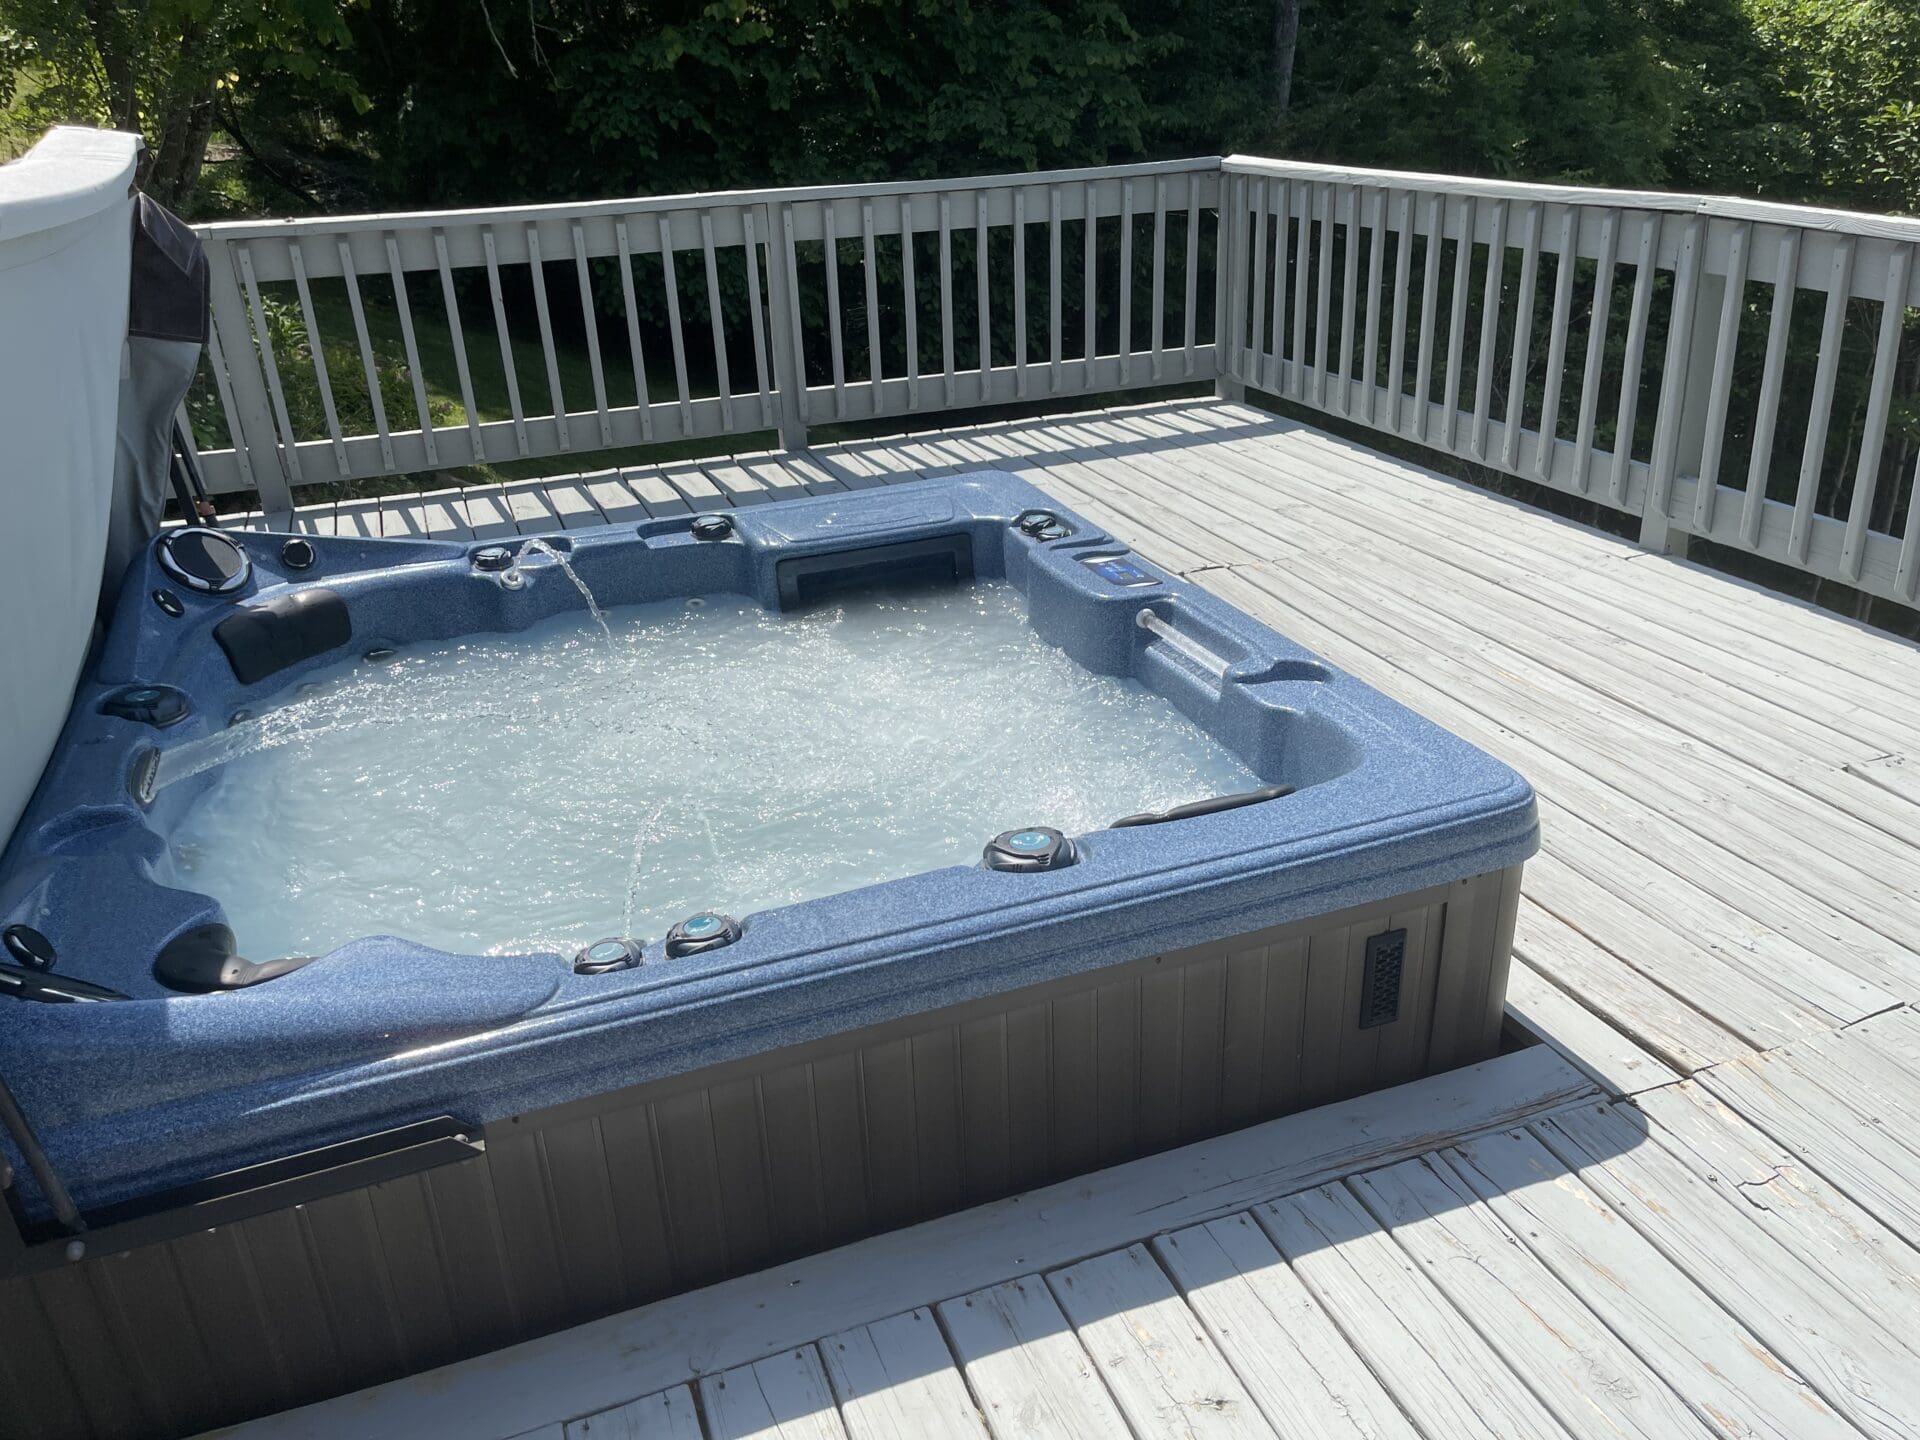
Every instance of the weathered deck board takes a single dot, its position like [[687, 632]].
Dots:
[[1724, 926], [1439, 1366], [1285, 1347], [1033, 1378], [1594, 1384], [1165, 1372]]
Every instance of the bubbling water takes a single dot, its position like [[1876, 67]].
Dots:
[[509, 793]]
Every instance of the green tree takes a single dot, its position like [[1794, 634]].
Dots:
[[171, 69]]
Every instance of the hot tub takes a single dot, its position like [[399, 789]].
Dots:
[[643, 1097]]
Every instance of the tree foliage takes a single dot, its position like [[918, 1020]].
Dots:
[[170, 69], [606, 96], [403, 102]]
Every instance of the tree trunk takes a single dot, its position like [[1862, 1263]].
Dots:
[[1286, 40], [109, 26], [178, 145]]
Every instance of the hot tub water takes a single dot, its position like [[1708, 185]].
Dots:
[[506, 793]]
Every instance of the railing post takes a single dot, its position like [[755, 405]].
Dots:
[[1229, 297], [1686, 376], [789, 373], [251, 420]]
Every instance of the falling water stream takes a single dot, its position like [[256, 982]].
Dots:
[[614, 772]]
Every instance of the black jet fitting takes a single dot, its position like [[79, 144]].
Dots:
[[696, 934], [160, 706], [603, 957], [1036, 847]]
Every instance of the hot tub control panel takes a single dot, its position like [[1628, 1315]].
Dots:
[[1119, 570]]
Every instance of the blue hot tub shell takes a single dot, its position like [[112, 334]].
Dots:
[[133, 1096]]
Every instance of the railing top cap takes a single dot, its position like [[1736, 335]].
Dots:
[[72, 173], [639, 205], [1727, 207]]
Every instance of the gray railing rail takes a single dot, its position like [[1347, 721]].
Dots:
[[1357, 293], [1675, 357]]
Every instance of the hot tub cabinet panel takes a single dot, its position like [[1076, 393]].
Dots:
[[597, 1205], [328, 1171]]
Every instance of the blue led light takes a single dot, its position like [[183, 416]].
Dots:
[[1029, 840], [606, 950], [702, 924]]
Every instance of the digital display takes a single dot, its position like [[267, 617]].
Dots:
[[1118, 570]]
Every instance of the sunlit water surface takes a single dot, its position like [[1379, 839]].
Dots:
[[506, 793]]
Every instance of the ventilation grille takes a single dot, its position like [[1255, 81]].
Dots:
[[1380, 981]]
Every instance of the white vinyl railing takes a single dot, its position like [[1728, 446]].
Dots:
[[1676, 357], [751, 328], [1718, 367]]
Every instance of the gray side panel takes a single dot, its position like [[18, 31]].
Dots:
[[605, 1204]]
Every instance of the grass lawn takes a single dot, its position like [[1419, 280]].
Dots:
[[346, 374]]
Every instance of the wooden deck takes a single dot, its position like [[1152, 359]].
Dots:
[[1695, 1210]]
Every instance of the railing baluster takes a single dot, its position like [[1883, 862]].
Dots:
[[1733, 305], [1191, 314], [1159, 268], [1053, 289], [1402, 279], [538, 270], [1489, 329], [718, 317], [241, 386], [1053, 281], [457, 334], [1376, 261], [672, 285], [1250, 358], [1773, 371], [1906, 579], [229, 407], [1636, 353], [296, 256], [783, 279], [1457, 318], [1323, 297], [1557, 343], [830, 255], [1886, 362], [759, 325], [1429, 307], [506, 341], [1126, 281], [912, 299], [1826, 373], [1672, 420], [1282, 240], [590, 320], [1349, 282], [289, 443], [1302, 194], [1020, 291], [1088, 240], [980, 273], [367, 363], [1596, 348], [1522, 339], [397, 273], [876, 367], [946, 293], [641, 396]]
